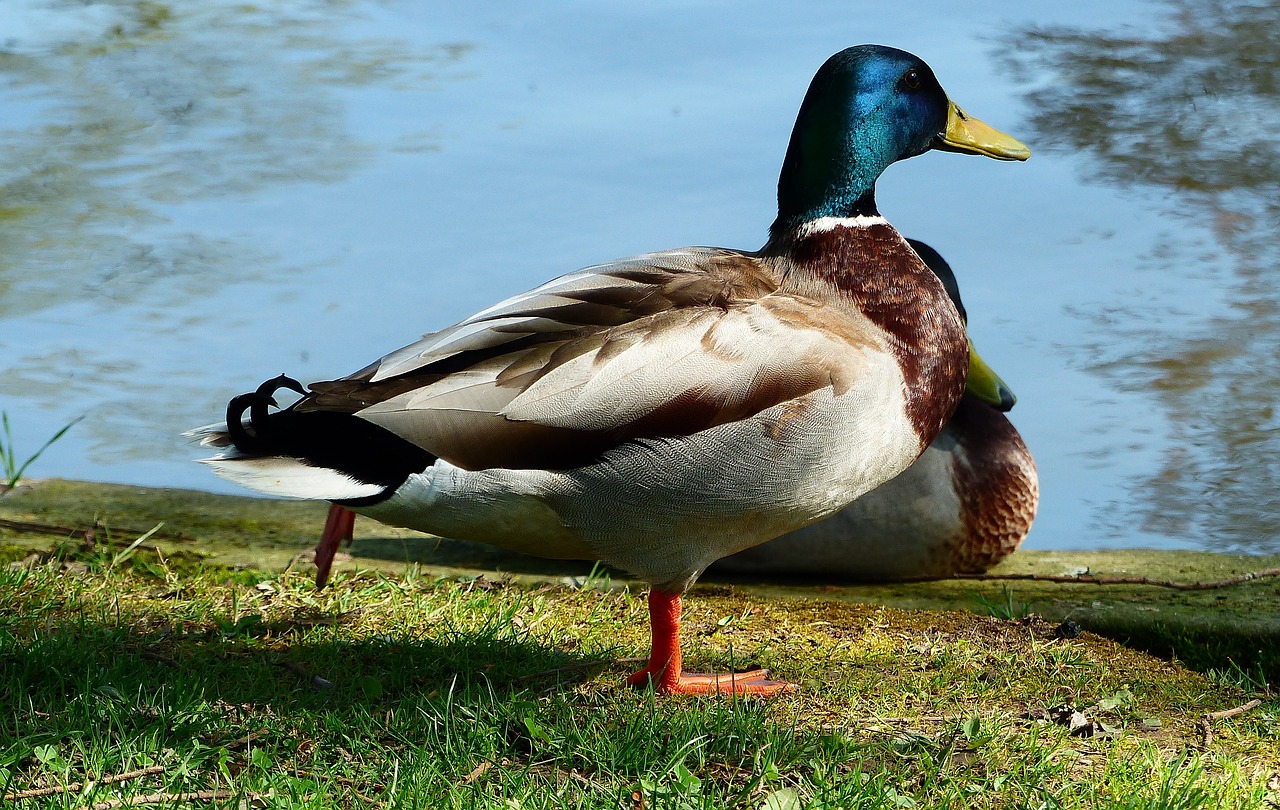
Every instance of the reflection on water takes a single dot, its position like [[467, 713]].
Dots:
[[162, 107], [121, 119], [198, 195], [1188, 108]]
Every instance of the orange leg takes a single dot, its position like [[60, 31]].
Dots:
[[665, 669], [339, 526]]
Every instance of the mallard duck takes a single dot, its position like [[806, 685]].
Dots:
[[664, 411], [967, 502]]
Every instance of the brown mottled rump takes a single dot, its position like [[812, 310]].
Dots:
[[885, 279], [995, 479]]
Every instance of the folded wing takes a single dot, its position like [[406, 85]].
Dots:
[[665, 344]]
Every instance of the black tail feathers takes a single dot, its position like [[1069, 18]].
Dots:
[[256, 404], [336, 440]]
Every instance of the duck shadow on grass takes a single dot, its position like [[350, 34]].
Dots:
[[224, 665], [445, 553], [118, 691], [1200, 629], [170, 689]]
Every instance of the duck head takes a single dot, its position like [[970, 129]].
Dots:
[[868, 107]]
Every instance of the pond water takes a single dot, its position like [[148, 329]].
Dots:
[[197, 196]]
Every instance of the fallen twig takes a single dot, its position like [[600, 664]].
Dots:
[[75, 787], [1087, 579], [1225, 713], [163, 797], [602, 662], [1205, 723], [368, 800], [870, 723], [84, 534], [44, 528], [923, 718]]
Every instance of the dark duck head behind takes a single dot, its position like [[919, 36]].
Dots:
[[661, 412]]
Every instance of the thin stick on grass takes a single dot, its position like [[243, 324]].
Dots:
[[1206, 733], [585, 780], [164, 797], [1206, 722], [368, 800], [1086, 579], [27, 527], [75, 787], [1225, 713], [923, 718], [299, 557]]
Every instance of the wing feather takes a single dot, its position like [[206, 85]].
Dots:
[[661, 345]]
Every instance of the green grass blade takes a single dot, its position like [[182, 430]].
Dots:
[[13, 473]]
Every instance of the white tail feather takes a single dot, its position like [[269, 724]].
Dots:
[[214, 435], [285, 477]]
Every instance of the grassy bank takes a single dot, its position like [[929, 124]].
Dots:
[[1222, 628], [245, 687], [200, 668]]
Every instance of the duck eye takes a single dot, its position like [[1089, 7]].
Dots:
[[911, 79]]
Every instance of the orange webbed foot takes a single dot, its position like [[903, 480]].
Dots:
[[751, 682], [665, 671]]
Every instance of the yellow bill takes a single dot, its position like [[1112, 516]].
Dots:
[[971, 136]]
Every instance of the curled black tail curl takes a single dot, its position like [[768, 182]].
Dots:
[[335, 440], [256, 404]]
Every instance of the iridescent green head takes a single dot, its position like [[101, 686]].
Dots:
[[867, 107]]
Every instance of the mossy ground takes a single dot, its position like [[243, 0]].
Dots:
[[1235, 627], [436, 687]]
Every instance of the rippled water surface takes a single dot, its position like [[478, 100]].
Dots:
[[197, 196]]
